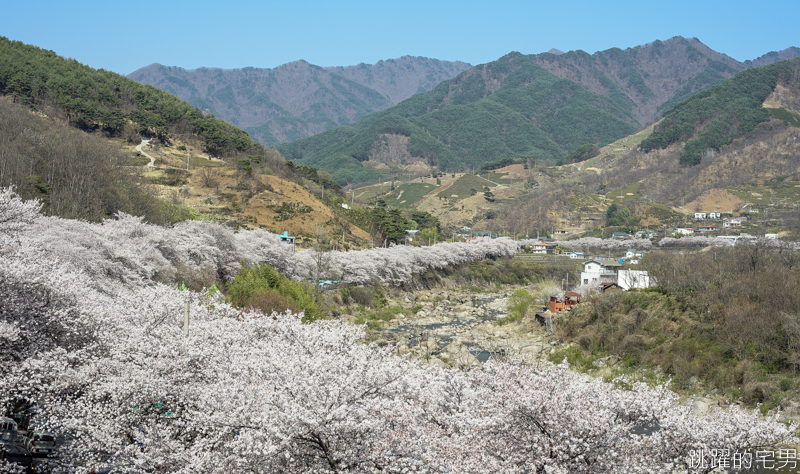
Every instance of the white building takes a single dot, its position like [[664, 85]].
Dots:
[[627, 279], [632, 253], [544, 248], [598, 271], [699, 215]]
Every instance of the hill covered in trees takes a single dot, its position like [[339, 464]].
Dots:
[[75, 151], [99, 100], [298, 99], [509, 107], [542, 106], [718, 115], [733, 148]]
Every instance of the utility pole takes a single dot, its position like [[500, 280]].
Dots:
[[186, 319], [188, 154]]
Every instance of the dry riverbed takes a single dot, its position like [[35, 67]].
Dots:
[[462, 329]]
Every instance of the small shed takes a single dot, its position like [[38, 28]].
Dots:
[[609, 287], [564, 303], [545, 318], [288, 239]]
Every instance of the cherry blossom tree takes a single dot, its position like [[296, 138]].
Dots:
[[695, 241], [606, 244], [87, 332], [15, 214]]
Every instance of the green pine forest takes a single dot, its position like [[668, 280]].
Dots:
[[507, 108], [715, 117], [99, 100]]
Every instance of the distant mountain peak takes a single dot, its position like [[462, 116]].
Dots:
[[773, 56], [555, 51], [299, 99]]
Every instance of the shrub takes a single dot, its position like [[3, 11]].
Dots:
[[517, 306], [248, 289], [361, 296], [268, 300]]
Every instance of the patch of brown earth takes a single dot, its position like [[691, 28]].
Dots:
[[714, 200]]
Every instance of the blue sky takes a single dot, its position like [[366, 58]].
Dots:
[[124, 36]]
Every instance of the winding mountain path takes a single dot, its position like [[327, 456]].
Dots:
[[152, 163]]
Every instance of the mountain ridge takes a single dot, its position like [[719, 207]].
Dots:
[[298, 99], [542, 106]]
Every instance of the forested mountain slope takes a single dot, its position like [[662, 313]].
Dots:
[[99, 100], [298, 99], [715, 117], [67, 133], [542, 106], [648, 78], [509, 107], [730, 148]]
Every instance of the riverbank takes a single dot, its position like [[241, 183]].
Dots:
[[463, 327]]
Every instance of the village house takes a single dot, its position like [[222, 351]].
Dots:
[[699, 215], [598, 271], [560, 232], [708, 228], [543, 248], [576, 255], [714, 215], [633, 253], [734, 238], [737, 222], [620, 235]]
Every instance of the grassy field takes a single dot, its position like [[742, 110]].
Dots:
[[617, 148], [662, 212], [586, 203], [135, 161], [776, 191], [370, 193], [405, 195], [497, 178], [464, 185], [628, 193], [791, 118], [200, 162]]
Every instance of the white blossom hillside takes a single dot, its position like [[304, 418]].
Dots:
[[87, 332], [129, 251]]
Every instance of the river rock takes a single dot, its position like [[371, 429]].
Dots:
[[703, 405], [465, 359], [534, 349], [432, 343]]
